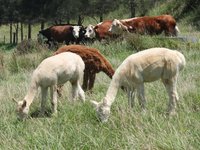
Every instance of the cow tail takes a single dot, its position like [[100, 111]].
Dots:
[[177, 30]]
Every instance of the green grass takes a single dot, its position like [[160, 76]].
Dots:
[[77, 127]]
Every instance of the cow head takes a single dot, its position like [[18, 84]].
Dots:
[[102, 110], [117, 27], [90, 32], [75, 31], [41, 38]]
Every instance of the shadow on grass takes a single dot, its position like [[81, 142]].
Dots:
[[7, 47], [36, 114]]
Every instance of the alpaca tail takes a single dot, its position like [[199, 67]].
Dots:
[[182, 60]]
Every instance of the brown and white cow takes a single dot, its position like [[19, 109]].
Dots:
[[63, 33], [99, 31], [146, 25]]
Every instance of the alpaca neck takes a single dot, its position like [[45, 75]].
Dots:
[[31, 93], [109, 71], [112, 92]]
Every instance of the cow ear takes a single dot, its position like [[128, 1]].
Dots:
[[95, 27], [71, 28]]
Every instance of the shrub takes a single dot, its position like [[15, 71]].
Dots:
[[1, 61], [26, 62], [140, 42], [13, 65], [29, 46], [2, 69]]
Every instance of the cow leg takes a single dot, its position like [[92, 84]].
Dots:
[[170, 31], [85, 81], [67, 42]]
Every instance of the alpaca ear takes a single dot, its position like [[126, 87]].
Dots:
[[24, 104], [94, 104]]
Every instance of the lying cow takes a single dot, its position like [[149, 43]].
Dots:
[[146, 25], [63, 33]]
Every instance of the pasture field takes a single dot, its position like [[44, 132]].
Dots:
[[77, 127]]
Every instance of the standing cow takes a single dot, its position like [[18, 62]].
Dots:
[[63, 33]]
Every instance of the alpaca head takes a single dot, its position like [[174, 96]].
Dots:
[[102, 110], [22, 110]]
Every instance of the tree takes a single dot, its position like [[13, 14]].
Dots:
[[132, 8]]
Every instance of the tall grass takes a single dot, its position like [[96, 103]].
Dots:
[[77, 127]]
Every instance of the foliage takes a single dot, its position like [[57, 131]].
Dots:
[[187, 10], [2, 67], [21, 59], [27, 46], [13, 65], [139, 42]]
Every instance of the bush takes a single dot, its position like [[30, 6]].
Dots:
[[29, 46], [2, 68], [1, 61], [140, 42]]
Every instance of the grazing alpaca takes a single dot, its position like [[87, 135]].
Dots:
[[52, 71], [94, 63], [145, 66]]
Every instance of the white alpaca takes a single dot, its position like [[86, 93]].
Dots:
[[54, 70], [145, 66]]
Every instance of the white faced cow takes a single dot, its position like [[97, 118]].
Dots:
[[99, 31], [90, 32]]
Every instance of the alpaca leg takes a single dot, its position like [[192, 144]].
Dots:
[[141, 97], [74, 89], [170, 85], [85, 81], [54, 98], [81, 93], [59, 90], [91, 80], [131, 97], [44, 97]]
